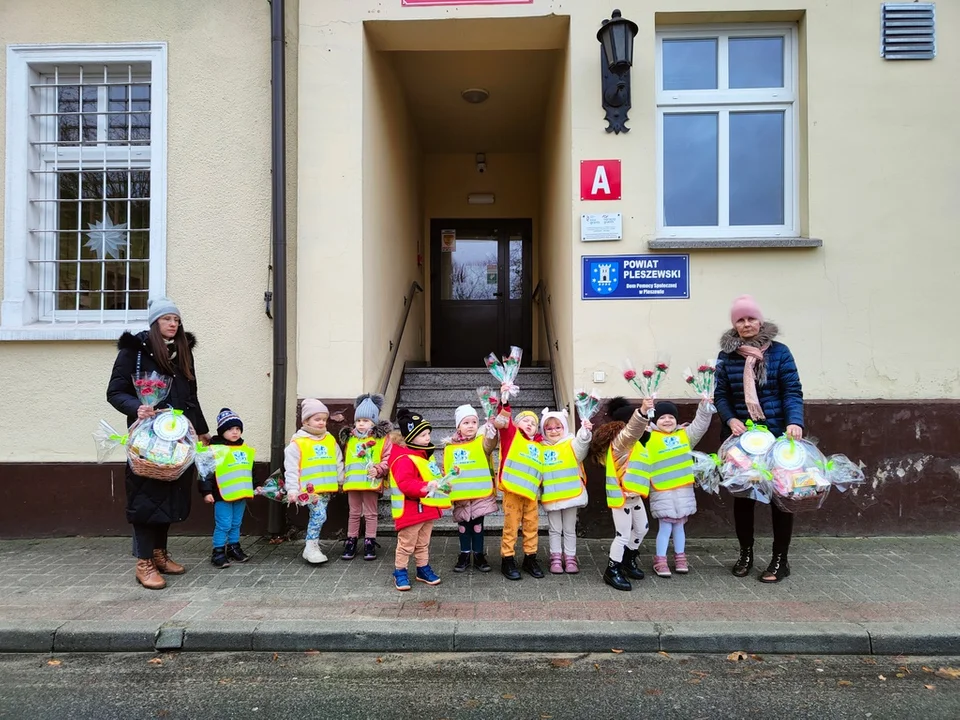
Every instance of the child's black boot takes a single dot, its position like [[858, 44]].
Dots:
[[219, 558]]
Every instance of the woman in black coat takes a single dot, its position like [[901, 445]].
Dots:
[[757, 380], [152, 505]]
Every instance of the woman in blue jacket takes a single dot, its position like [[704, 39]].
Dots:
[[757, 380]]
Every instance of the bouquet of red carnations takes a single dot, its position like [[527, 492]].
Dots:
[[506, 372], [489, 402], [273, 488], [648, 380], [586, 403], [365, 455], [702, 380]]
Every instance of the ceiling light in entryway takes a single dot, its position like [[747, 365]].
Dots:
[[475, 96]]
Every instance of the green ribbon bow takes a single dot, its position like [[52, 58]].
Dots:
[[751, 425], [764, 473], [716, 459], [122, 439]]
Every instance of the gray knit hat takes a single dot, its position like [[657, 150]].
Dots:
[[368, 407], [158, 307]]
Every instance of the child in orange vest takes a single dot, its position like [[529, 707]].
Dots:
[[363, 485], [518, 510], [673, 506]]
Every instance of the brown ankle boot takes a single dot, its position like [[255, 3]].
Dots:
[[148, 576], [165, 563]]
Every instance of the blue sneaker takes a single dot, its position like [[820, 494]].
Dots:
[[426, 575], [401, 580]]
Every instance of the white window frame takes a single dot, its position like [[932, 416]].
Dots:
[[22, 316], [720, 101]]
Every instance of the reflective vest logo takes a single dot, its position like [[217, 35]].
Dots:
[[320, 452], [671, 442], [460, 456], [240, 457], [550, 457]]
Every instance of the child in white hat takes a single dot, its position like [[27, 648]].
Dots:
[[313, 470], [564, 488]]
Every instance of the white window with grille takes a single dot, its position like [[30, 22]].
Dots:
[[84, 235], [727, 124]]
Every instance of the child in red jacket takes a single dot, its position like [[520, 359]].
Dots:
[[519, 479], [413, 476]]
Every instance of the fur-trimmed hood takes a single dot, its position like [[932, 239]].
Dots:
[[380, 430], [730, 342], [129, 341], [603, 436]]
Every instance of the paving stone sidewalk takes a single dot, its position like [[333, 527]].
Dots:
[[881, 580]]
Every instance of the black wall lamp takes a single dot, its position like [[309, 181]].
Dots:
[[616, 57]]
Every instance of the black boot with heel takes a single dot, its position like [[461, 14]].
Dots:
[[744, 563], [777, 570]]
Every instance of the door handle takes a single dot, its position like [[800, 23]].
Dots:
[[498, 294]]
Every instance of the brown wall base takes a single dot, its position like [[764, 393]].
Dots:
[[910, 451]]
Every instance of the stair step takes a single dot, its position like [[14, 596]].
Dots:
[[441, 416], [472, 378], [452, 397]]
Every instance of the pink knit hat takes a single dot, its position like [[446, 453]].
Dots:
[[311, 407], [745, 306]]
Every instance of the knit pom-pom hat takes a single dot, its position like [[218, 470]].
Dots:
[[227, 419], [619, 408], [367, 407]]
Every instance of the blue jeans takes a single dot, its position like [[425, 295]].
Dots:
[[318, 516], [228, 516]]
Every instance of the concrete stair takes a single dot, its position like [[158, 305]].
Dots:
[[437, 392]]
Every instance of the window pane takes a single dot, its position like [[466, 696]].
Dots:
[[690, 162], [756, 62], [690, 64], [470, 271], [516, 267], [756, 168]]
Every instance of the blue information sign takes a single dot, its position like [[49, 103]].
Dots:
[[636, 277]]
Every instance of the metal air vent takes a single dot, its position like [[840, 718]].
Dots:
[[908, 31]]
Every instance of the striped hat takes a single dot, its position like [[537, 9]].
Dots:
[[411, 424], [227, 419]]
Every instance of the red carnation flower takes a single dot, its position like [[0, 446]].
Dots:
[[662, 367], [309, 487], [303, 497], [647, 373], [690, 379], [629, 374], [704, 368]]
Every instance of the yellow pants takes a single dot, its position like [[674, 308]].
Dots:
[[517, 511]]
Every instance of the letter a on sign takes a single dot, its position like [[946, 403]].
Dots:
[[599, 179]]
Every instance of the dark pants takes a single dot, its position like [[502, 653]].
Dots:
[[147, 538], [743, 520], [471, 535]]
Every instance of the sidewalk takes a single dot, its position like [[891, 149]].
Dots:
[[881, 596]]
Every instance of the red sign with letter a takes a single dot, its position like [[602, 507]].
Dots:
[[599, 179]]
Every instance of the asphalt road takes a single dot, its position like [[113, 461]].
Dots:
[[425, 686]]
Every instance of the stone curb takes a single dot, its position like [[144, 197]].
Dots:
[[481, 636]]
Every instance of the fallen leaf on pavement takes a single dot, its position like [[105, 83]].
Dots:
[[546, 717], [155, 661], [737, 656], [881, 677], [929, 687], [472, 704], [508, 696], [311, 652], [665, 654], [54, 663], [869, 661], [699, 673], [379, 659], [926, 669], [694, 681], [561, 662], [653, 691], [845, 683], [901, 675], [618, 651], [949, 673], [596, 666], [758, 658], [276, 657]]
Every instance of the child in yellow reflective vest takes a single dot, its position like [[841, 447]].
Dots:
[[472, 490], [229, 488], [313, 470], [672, 498], [519, 479], [366, 453], [564, 488], [616, 446]]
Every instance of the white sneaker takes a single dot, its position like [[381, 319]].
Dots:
[[312, 552]]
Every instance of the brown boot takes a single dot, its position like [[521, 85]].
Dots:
[[166, 565], [148, 576]]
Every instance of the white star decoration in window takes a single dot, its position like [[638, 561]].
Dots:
[[105, 239]]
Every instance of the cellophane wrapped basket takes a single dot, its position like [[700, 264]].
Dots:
[[742, 471], [799, 481], [706, 472]]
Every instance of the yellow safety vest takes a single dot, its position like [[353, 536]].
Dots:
[[428, 471], [613, 488], [562, 474], [636, 476], [318, 464], [475, 479], [671, 464], [355, 470], [234, 471], [522, 470]]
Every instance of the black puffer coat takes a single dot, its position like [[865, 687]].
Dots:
[[152, 501]]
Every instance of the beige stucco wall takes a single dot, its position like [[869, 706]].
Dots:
[[218, 232], [513, 178], [392, 228], [879, 190]]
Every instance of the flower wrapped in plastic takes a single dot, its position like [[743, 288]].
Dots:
[[440, 496], [488, 401], [587, 404], [702, 380], [365, 455], [842, 473], [647, 381], [273, 488], [706, 472], [152, 388], [506, 371], [799, 480], [743, 471]]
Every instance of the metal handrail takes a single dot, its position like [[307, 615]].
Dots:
[[395, 343], [539, 294]]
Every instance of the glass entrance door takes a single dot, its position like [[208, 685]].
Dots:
[[481, 283]]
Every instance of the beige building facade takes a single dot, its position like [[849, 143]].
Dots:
[[772, 150]]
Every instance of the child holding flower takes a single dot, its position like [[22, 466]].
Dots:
[[367, 447], [313, 470]]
